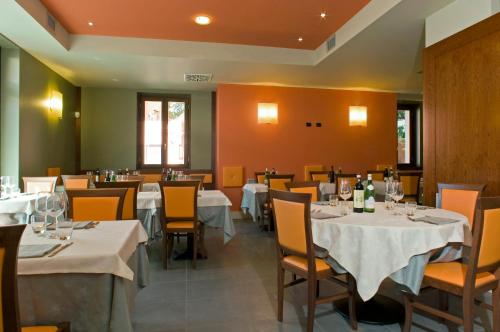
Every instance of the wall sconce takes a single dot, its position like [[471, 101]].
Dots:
[[358, 116], [267, 113], [56, 103]]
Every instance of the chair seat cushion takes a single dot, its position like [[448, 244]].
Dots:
[[454, 273], [180, 225], [301, 263], [40, 329]]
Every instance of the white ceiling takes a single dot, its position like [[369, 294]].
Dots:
[[379, 49]]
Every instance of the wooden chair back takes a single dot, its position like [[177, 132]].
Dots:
[[129, 211], [320, 176], [35, 185], [485, 252], [55, 171], [96, 204], [198, 178], [344, 176], [76, 181], [376, 175], [460, 198], [411, 184], [10, 237], [180, 201], [259, 177], [277, 181], [309, 187], [208, 176], [292, 222]]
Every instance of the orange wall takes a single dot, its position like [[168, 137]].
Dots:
[[289, 145]]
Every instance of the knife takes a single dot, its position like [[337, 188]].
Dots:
[[61, 248]]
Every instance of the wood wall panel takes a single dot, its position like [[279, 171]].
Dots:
[[462, 109]]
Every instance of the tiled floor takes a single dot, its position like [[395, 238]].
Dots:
[[235, 290]]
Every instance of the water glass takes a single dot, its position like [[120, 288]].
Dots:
[[64, 228], [333, 200], [410, 208], [398, 191], [37, 222], [389, 193]]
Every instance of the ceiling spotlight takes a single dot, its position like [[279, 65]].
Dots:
[[202, 20], [300, 39], [323, 15], [91, 24], [114, 79]]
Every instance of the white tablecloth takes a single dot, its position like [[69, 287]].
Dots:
[[16, 209], [213, 210], [372, 246], [103, 249]]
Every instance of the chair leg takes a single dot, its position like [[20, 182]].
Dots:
[[281, 282], [408, 313], [317, 288], [195, 249], [443, 303], [311, 303], [468, 310], [166, 250], [496, 308], [351, 288]]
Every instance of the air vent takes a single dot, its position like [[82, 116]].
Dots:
[[197, 77], [330, 44], [51, 22]]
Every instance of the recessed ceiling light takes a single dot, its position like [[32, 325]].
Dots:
[[91, 24], [202, 20], [323, 15], [300, 39], [114, 79]]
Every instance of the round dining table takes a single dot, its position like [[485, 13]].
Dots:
[[387, 243]]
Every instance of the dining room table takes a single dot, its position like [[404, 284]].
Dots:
[[386, 244], [213, 211], [92, 283], [16, 208], [255, 195]]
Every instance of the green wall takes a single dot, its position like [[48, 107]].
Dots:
[[45, 140], [9, 112], [33, 138], [109, 127]]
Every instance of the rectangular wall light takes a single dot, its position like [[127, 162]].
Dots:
[[358, 116], [56, 103], [267, 113]]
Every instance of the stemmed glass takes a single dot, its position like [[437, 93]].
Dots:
[[399, 192], [389, 193], [41, 208], [345, 191], [4, 184]]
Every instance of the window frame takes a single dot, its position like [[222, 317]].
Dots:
[[413, 109], [164, 98]]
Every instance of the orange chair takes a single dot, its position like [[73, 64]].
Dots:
[[208, 177], [76, 181], [180, 215], [296, 254], [411, 185], [55, 171], [129, 211], [259, 177], [35, 185], [460, 198], [376, 175], [310, 187], [9, 303], [467, 280], [96, 204], [320, 176], [277, 182]]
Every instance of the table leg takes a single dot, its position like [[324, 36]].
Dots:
[[379, 310]]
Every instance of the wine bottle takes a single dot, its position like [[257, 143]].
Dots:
[[97, 175], [359, 196], [331, 175], [266, 177], [369, 196]]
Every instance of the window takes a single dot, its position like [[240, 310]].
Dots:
[[163, 131], [408, 131]]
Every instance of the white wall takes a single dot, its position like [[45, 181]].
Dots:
[[457, 16]]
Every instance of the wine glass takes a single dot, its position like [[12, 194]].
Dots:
[[398, 191], [345, 191], [389, 193], [56, 205], [4, 185]]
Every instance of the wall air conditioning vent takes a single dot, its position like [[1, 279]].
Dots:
[[330, 43], [197, 77], [51, 22]]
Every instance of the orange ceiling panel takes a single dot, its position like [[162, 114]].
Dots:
[[276, 23]]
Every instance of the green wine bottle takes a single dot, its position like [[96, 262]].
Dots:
[[359, 193], [369, 196]]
